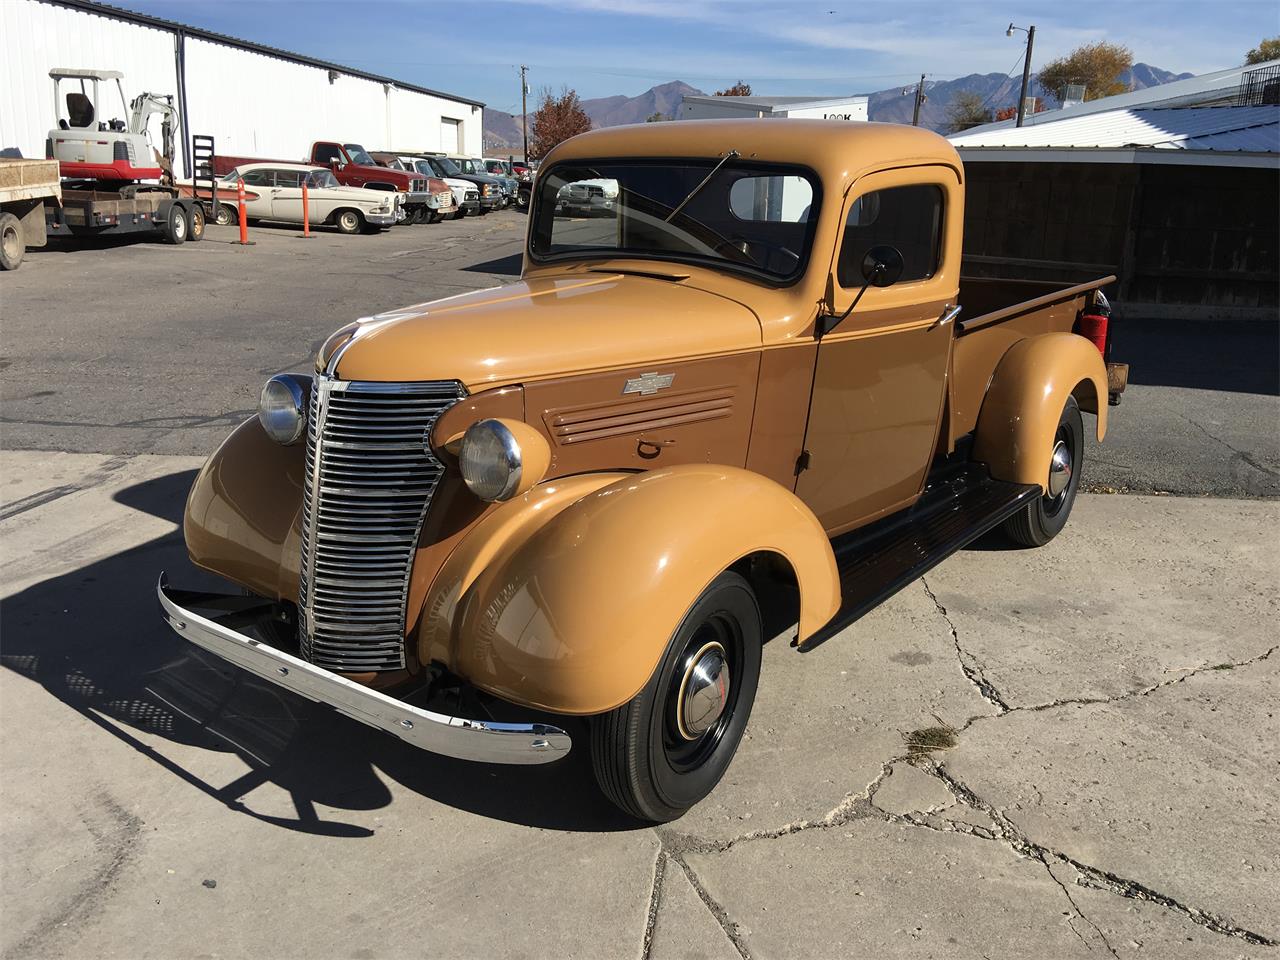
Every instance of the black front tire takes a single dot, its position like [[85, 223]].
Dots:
[[642, 760], [1043, 519], [348, 221]]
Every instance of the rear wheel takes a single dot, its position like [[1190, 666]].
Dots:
[[666, 749], [175, 225], [195, 228], [1042, 520], [348, 221], [225, 215], [13, 245]]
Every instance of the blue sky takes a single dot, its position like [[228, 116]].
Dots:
[[604, 47]]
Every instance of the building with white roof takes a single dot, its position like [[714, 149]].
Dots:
[[809, 108], [1175, 189]]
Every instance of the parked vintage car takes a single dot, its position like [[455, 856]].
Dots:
[[748, 399], [466, 196], [273, 191], [351, 164], [490, 188]]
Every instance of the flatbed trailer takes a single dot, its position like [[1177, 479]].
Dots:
[[86, 212]]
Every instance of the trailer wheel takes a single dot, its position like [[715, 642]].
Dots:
[[175, 225], [1043, 519], [666, 749], [195, 229], [13, 245], [348, 221], [225, 215]]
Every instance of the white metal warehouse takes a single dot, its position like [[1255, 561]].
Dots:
[[218, 83]]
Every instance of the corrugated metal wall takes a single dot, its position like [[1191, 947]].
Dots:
[[39, 36], [252, 103]]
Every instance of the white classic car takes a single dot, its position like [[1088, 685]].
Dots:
[[273, 191]]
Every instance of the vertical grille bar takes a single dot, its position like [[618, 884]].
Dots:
[[370, 478]]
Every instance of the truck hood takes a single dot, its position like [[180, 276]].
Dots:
[[547, 326]]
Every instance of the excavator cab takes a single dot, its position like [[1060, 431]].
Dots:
[[88, 147]]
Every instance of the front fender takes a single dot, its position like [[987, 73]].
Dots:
[[1024, 400], [243, 515], [565, 599]]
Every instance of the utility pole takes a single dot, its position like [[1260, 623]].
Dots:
[[1026, 68], [920, 99], [524, 111]]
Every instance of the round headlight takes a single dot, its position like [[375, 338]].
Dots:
[[491, 460], [282, 408]]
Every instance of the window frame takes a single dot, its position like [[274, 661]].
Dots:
[[939, 233], [906, 294]]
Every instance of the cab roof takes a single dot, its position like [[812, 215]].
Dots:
[[837, 150], [74, 73]]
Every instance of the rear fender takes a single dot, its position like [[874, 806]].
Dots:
[[565, 599], [1024, 401]]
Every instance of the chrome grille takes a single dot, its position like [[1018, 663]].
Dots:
[[370, 477], [420, 186]]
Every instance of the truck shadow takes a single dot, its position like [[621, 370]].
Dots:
[[94, 639]]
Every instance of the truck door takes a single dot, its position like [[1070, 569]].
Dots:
[[881, 374]]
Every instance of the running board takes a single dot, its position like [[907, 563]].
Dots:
[[877, 561]]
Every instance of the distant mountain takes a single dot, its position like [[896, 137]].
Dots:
[[664, 99], [502, 130]]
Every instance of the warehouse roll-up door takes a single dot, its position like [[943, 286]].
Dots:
[[450, 135]]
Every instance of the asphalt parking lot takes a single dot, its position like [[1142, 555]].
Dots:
[[1068, 752]]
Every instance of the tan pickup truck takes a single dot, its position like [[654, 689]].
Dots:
[[740, 395]]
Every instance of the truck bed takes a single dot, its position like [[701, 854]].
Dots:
[[28, 179], [997, 314]]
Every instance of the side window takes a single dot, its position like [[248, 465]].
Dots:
[[288, 178], [774, 199], [326, 153], [909, 218], [257, 178]]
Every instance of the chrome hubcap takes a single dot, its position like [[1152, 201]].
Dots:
[[704, 691], [1059, 469]]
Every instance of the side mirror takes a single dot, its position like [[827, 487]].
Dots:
[[882, 266]]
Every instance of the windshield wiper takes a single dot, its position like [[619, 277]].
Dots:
[[731, 155]]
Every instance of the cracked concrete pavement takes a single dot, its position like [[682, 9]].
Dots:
[[1098, 774], [1065, 752]]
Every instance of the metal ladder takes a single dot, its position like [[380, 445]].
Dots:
[[202, 155]]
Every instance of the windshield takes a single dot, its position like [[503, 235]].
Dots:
[[321, 179], [443, 166], [754, 217], [359, 155]]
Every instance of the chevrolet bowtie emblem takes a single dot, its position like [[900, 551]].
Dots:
[[648, 383]]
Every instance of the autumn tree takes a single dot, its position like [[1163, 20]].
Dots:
[[1095, 65], [966, 110], [739, 89], [1268, 49], [1008, 113], [556, 120], [656, 118]]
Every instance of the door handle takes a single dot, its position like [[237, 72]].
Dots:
[[949, 313]]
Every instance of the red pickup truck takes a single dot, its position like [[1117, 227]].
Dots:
[[353, 167]]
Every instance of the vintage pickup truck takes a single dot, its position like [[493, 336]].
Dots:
[[745, 399]]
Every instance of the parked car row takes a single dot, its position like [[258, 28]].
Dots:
[[356, 190]]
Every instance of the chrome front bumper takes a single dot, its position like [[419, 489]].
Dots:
[[481, 740], [385, 219]]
